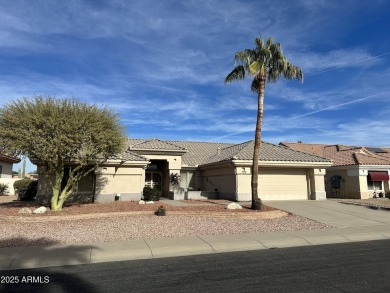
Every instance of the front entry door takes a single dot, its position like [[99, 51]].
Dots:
[[153, 179]]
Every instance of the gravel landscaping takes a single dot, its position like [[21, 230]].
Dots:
[[118, 221], [370, 202]]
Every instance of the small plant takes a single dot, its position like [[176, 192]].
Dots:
[[380, 194], [174, 179], [258, 204], [151, 194], [387, 194], [160, 211], [3, 189], [26, 189]]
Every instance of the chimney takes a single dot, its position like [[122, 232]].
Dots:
[[218, 151]]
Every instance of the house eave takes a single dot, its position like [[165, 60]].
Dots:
[[284, 164]]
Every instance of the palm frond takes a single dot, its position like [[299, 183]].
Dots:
[[255, 85], [242, 57], [293, 72], [238, 73], [265, 61], [269, 42], [259, 44]]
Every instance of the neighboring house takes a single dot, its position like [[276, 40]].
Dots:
[[6, 163], [357, 172], [207, 170]]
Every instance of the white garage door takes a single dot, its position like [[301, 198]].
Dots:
[[282, 184]]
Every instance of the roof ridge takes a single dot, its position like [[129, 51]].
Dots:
[[238, 144], [141, 140], [305, 143], [159, 140]]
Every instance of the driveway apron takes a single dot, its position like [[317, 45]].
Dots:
[[334, 213]]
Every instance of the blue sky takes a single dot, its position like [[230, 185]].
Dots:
[[161, 65]]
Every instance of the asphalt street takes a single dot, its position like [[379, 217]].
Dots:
[[345, 267]]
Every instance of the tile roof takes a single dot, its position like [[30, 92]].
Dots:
[[200, 153], [343, 155], [153, 144], [268, 152], [129, 156]]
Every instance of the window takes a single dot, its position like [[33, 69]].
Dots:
[[86, 183], [375, 185], [375, 179]]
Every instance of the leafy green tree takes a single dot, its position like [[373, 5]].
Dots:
[[59, 133], [264, 63]]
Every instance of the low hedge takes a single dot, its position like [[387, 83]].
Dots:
[[26, 189], [151, 194]]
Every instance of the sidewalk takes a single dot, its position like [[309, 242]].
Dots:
[[352, 224]]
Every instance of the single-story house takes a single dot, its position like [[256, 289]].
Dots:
[[6, 164], [357, 171], [207, 170]]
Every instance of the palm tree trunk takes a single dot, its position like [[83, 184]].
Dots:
[[256, 149]]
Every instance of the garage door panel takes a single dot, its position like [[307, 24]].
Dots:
[[283, 184]]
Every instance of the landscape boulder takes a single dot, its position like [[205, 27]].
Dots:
[[25, 211], [233, 206], [141, 202], [40, 210]]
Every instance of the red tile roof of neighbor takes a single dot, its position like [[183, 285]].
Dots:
[[343, 155]]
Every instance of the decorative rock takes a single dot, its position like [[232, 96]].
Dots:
[[40, 210], [25, 211], [150, 202], [234, 206], [141, 202]]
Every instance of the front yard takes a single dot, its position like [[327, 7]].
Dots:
[[118, 221]]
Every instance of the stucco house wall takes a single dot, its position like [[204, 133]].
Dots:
[[6, 169], [220, 179], [353, 182], [106, 184], [125, 182], [6, 164]]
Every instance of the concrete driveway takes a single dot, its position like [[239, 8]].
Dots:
[[334, 213]]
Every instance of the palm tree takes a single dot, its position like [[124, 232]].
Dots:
[[264, 63]]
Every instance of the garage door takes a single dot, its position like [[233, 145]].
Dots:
[[282, 184]]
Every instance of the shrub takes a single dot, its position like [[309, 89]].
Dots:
[[258, 204], [3, 189], [160, 211], [26, 189], [387, 194], [151, 193]]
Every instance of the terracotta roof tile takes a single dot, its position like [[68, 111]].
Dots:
[[344, 155]]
